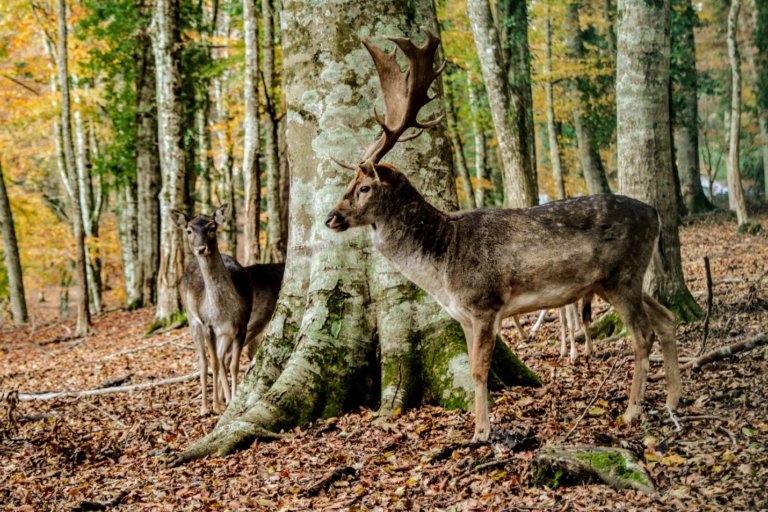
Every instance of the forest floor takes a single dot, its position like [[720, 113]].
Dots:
[[109, 451]]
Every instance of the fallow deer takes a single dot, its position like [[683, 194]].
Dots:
[[227, 306], [487, 264]]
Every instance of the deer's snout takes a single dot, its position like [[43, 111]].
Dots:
[[201, 250], [336, 222]]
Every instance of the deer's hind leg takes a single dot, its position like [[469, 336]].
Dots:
[[631, 308], [663, 322], [484, 331]]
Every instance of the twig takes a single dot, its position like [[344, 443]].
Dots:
[[708, 272], [673, 419], [729, 434], [24, 397], [96, 505], [328, 479], [594, 398], [105, 413]]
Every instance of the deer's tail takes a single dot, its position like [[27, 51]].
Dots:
[[658, 253]]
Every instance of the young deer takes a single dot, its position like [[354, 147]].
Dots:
[[487, 264], [217, 296]]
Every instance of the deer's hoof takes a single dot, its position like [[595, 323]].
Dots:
[[204, 411], [633, 412], [574, 356], [481, 436]]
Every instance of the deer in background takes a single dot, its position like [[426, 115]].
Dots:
[[227, 306], [487, 264]]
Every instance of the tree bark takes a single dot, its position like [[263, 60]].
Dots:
[[340, 298], [506, 110], [166, 44], [644, 145], [758, 63], [738, 203], [481, 175], [512, 18], [148, 176], [554, 147], [458, 151], [251, 136], [591, 164], [685, 111], [129, 243], [12, 260], [275, 236], [83, 313]]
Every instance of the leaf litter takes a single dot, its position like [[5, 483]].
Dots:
[[109, 451]]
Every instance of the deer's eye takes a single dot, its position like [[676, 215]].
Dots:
[[189, 231], [365, 188]]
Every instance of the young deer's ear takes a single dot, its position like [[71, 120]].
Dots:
[[222, 214], [179, 218]]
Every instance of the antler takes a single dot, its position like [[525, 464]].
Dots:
[[405, 92]]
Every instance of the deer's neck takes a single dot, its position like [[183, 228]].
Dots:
[[416, 237], [217, 279]]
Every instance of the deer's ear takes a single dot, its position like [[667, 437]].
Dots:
[[222, 214], [179, 218], [382, 173], [368, 168]]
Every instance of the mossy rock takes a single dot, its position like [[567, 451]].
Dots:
[[583, 463]]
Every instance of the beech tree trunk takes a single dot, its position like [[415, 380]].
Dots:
[[83, 313], [148, 177], [644, 145], [166, 44], [507, 110], [685, 111], [340, 299], [554, 146], [591, 164], [128, 232], [512, 19], [251, 136], [462, 173], [735, 192], [11, 253], [758, 63], [481, 174], [276, 243]]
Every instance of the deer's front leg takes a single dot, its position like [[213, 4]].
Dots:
[[234, 364], [482, 350], [224, 342], [199, 337], [210, 342]]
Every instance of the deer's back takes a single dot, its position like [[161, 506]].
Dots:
[[230, 301]]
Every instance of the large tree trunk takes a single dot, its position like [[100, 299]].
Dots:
[[459, 161], [554, 147], [685, 113], [251, 137], [735, 191], [128, 233], [479, 135], [339, 298], [644, 145], [512, 19], [148, 176], [507, 110], [12, 260], [275, 239], [166, 44], [83, 313], [591, 164]]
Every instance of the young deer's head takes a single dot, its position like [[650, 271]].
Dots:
[[201, 230], [372, 191]]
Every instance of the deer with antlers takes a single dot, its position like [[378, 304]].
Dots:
[[487, 264]]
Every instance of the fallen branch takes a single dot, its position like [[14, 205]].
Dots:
[[328, 479], [720, 353], [25, 397]]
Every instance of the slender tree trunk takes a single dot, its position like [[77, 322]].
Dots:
[[591, 164], [285, 179], [83, 314], [609, 14], [148, 176], [204, 153], [685, 113], [128, 231], [506, 110], [512, 18], [11, 252], [166, 45], [758, 63], [554, 147], [481, 175], [458, 151], [275, 235], [339, 297], [734, 174], [644, 145], [251, 136]]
